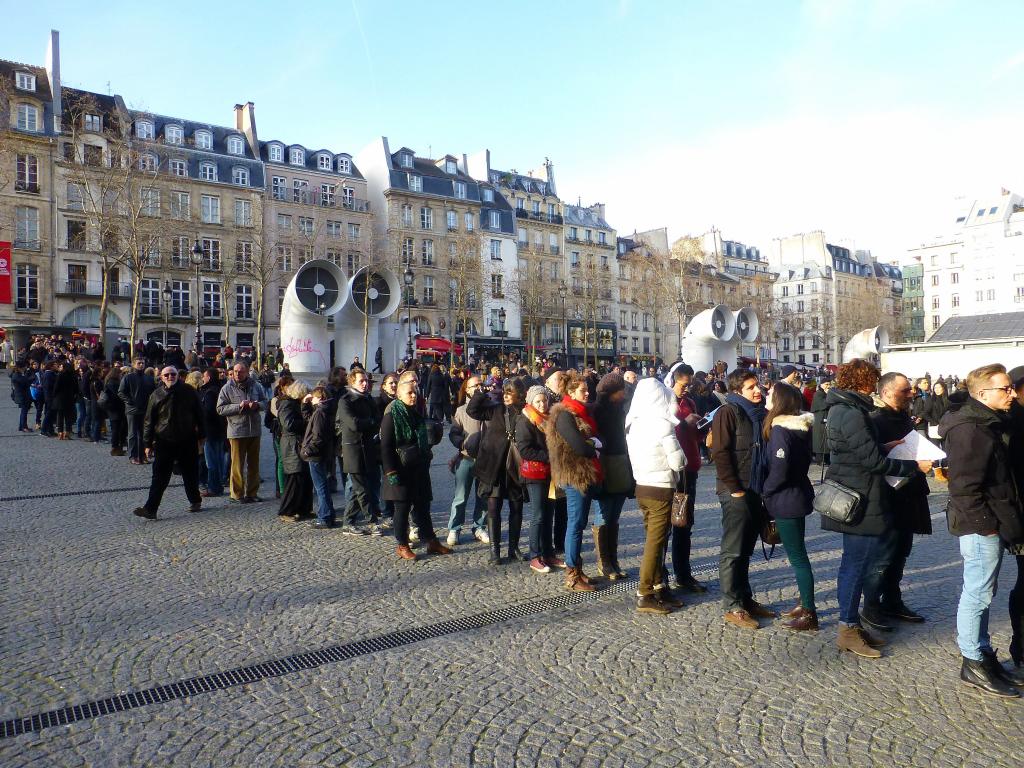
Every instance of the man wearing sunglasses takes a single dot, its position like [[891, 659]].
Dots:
[[984, 511], [172, 433]]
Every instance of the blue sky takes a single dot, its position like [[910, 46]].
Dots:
[[860, 118]]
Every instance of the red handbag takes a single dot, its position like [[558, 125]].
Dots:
[[534, 470]]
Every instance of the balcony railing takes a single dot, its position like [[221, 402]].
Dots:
[[27, 245], [95, 288], [315, 197], [547, 218]]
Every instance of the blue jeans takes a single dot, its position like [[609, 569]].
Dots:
[[96, 423], [213, 451], [321, 485], [608, 509], [542, 513], [463, 484], [982, 557], [858, 552], [82, 425], [578, 512]]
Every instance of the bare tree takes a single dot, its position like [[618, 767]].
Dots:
[[464, 275]]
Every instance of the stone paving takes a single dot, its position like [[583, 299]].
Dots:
[[97, 602]]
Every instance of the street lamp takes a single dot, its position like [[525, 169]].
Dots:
[[196, 256], [501, 326], [680, 305], [408, 277], [563, 291], [167, 307]]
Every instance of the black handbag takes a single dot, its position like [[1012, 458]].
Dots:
[[837, 502], [410, 455]]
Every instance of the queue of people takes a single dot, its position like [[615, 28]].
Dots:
[[560, 444]]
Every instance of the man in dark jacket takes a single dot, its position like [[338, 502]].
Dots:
[[883, 600], [172, 434], [134, 391], [820, 411], [356, 426], [215, 427], [733, 435], [984, 511]]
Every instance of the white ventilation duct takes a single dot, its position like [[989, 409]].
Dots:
[[374, 293], [708, 335], [747, 325], [870, 341], [319, 289]]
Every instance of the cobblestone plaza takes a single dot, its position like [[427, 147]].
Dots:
[[98, 603]]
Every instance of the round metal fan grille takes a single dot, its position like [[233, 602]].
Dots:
[[316, 289], [370, 293], [718, 323]]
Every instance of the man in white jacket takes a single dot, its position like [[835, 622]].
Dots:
[[657, 459]]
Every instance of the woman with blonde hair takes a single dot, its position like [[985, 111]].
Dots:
[[297, 497]]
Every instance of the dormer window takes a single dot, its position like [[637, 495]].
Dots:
[[173, 134], [204, 140], [297, 157], [25, 81], [323, 161], [144, 129], [405, 159], [240, 176], [415, 182], [28, 118], [147, 162], [450, 167], [541, 187], [207, 171], [236, 145], [276, 153], [344, 165], [488, 195], [92, 123]]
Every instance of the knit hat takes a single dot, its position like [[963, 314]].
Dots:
[[611, 383], [535, 390], [788, 370]]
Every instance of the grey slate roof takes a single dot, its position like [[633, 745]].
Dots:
[[584, 217], [311, 163], [973, 327]]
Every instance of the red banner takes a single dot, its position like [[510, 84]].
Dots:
[[5, 273]]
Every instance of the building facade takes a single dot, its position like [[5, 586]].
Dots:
[[977, 268]]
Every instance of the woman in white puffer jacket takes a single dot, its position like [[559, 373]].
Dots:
[[657, 459]]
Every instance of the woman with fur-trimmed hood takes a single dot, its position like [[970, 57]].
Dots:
[[573, 447], [787, 491]]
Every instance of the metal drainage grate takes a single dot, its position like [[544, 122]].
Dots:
[[81, 493], [304, 661]]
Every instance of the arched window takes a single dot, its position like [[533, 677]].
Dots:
[[235, 145], [148, 161], [240, 176], [297, 156], [275, 153], [88, 316], [144, 129], [323, 161], [173, 134], [344, 165], [203, 139], [207, 171]]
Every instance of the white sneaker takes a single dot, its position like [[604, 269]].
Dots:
[[414, 535], [481, 535], [453, 538]]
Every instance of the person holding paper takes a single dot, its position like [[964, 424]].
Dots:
[[883, 601]]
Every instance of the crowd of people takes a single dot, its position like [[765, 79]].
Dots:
[[570, 447]]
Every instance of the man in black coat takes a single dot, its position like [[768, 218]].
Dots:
[[984, 511], [173, 434], [883, 600], [215, 426], [356, 426], [134, 391]]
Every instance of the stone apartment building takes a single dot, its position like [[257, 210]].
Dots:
[[590, 247], [29, 117], [827, 293], [977, 266]]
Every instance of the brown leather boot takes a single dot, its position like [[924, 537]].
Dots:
[[852, 639], [574, 581], [405, 552], [435, 547], [804, 621], [792, 612]]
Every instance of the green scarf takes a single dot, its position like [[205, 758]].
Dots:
[[404, 429]]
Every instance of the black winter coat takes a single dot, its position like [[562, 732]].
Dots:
[[858, 462], [820, 411], [318, 441], [65, 390], [115, 405], [356, 426], [413, 482], [910, 501], [492, 465], [293, 429], [531, 442], [136, 387], [173, 415], [983, 496], [216, 426], [437, 388], [787, 491], [21, 384]]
